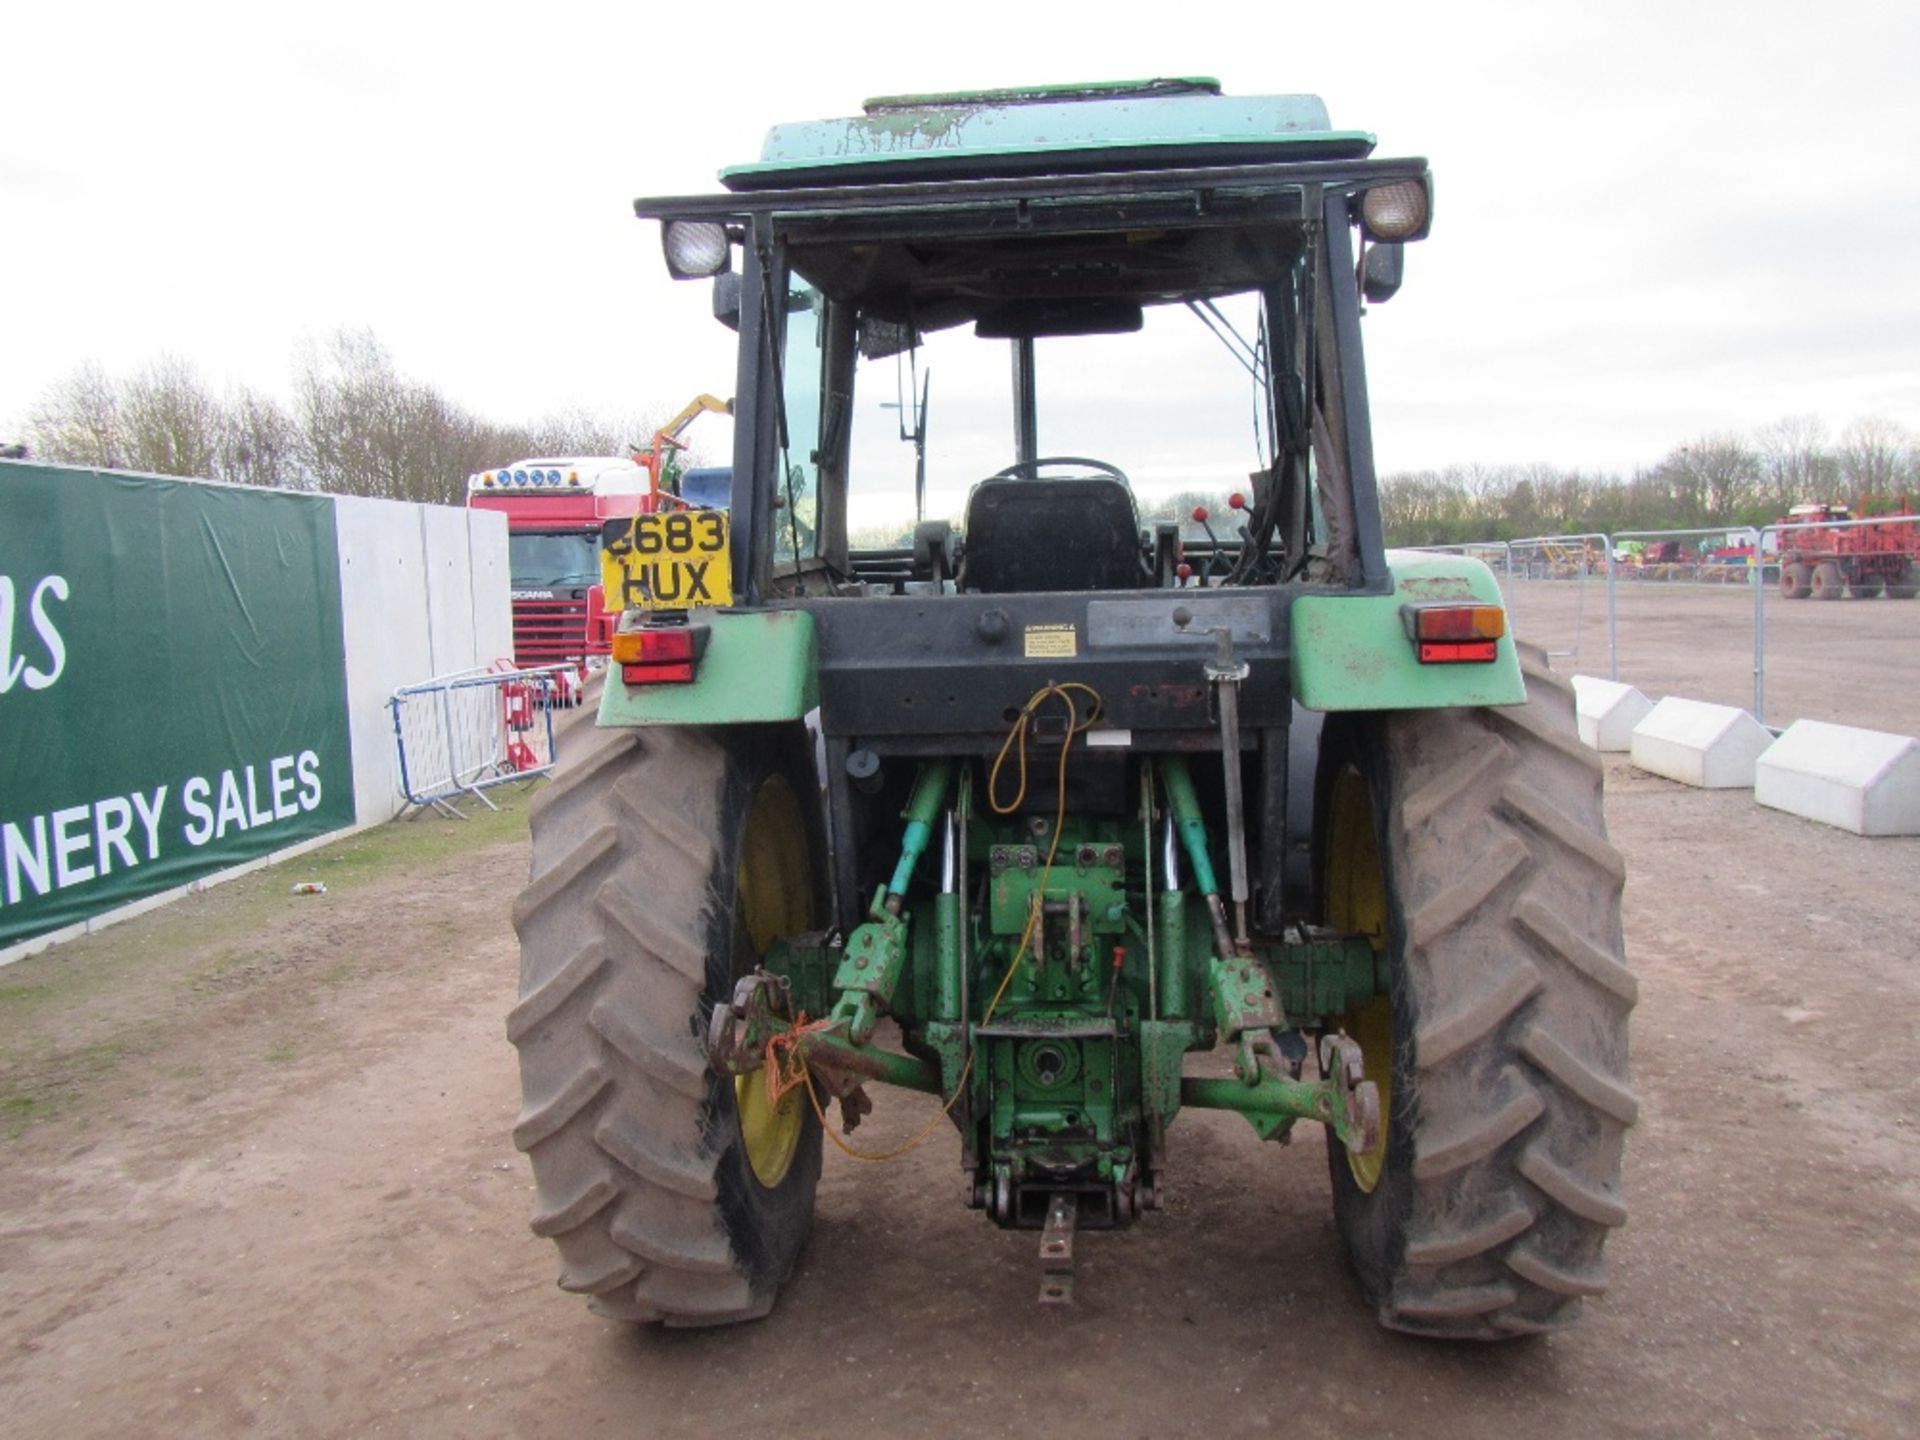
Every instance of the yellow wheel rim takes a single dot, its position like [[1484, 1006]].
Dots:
[[1357, 902], [773, 897], [769, 1129]]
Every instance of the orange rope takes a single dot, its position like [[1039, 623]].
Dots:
[[786, 1062], [899, 1150]]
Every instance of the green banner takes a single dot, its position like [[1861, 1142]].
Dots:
[[172, 686]]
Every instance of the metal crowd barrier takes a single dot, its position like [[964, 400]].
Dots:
[[1575, 557], [1736, 555], [461, 734]]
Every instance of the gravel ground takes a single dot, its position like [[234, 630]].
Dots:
[[1854, 662], [255, 1178]]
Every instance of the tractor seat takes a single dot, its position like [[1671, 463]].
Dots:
[[1070, 533]]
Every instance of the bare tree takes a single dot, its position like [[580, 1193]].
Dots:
[[1876, 457], [1707, 481], [173, 423], [357, 426], [78, 421], [1795, 460], [259, 443], [367, 430]]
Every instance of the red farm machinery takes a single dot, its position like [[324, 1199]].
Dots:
[[1824, 553]]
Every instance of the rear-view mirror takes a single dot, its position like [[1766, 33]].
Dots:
[[726, 300], [1382, 271]]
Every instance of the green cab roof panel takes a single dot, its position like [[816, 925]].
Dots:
[[1109, 123]]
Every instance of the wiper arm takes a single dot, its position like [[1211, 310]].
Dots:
[[1237, 346]]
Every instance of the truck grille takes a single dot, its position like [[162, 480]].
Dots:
[[545, 631]]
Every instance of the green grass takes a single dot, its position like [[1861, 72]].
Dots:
[[74, 1014], [17, 1112], [403, 843], [43, 1095], [283, 1051]]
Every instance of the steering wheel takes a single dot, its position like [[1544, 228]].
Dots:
[[1030, 469]]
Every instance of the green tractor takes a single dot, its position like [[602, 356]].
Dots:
[[1069, 821]]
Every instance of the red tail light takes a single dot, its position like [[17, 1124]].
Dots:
[[1432, 653], [658, 655], [1447, 634]]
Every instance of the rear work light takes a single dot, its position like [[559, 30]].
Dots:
[[1398, 210], [1448, 634], [696, 248], [658, 654]]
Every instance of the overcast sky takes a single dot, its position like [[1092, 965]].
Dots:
[[1654, 221]]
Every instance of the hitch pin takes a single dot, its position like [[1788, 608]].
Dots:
[[1056, 1249]]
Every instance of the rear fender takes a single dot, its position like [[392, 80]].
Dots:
[[758, 666], [1351, 652]]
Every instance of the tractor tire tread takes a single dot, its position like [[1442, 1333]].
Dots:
[[554, 991], [567, 1215], [1557, 939], [1442, 1038], [1536, 1269], [1441, 1247], [619, 1120], [1517, 1093]]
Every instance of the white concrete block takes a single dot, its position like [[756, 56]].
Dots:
[[492, 602], [1712, 746], [1607, 711], [424, 593], [1866, 781]]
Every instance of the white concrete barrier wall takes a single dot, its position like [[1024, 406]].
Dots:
[[424, 591], [1607, 711], [1712, 746], [1866, 781]]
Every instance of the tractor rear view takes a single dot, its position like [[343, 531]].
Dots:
[[1034, 815]]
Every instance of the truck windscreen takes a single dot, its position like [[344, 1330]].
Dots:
[[555, 558]]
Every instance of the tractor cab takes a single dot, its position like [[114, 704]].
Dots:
[[1204, 254], [1022, 749]]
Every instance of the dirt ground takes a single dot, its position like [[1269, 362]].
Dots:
[[255, 1178], [1854, 662]]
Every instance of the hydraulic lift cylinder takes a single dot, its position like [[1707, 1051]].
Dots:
[[946, 928], [1170, 925], [922, 810]]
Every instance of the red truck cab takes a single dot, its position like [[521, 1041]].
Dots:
[[555, 509]]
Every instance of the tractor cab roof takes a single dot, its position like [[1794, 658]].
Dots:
[[1105, 125], [1047, 211]]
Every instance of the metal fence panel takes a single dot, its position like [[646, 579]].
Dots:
[[1855, 672], [463, 733], [1581, 564]]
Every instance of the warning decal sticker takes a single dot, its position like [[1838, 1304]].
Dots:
[[1052, 642]]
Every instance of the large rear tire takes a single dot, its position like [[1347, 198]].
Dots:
[[1474, 845], [664, 861]]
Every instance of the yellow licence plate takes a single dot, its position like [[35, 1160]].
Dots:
[[673, 561]]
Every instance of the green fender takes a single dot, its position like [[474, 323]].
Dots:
[[759, 665], [1351, 652]]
